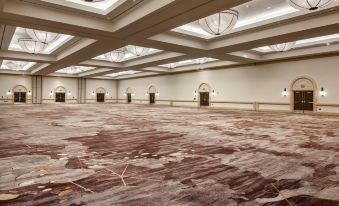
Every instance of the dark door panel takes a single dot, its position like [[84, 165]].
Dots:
[[151, 98], [20, 97], [129, 98], [308, 102], [60, 97], [303, 101], [204, 98], [100, 97]]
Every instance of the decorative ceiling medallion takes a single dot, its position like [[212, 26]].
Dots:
[[219, 23], [282, 47], [309, 4]]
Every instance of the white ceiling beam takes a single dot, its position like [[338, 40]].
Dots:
[[23, 56], [100, 64]]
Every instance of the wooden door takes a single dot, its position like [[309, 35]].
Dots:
[[60, 97], [20, 97], [129, 98], [151, 98], [303, 101], [204, 99], [100, 97], [308, 100]]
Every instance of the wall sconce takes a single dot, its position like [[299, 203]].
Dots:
[[51, 93], [29, 93], [195, 93], [213, 93], [125, 94], [9, 92], [132, 94], [285, 92], [93, 93], [322, 92], [157, 94], [146, 94], [107, 94], [69, 93]]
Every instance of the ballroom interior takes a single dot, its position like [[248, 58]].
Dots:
[[171, 102]]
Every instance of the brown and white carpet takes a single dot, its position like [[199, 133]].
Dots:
[[112, 154]]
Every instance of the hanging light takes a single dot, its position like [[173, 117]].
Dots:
[[71, 70], [42, 36], [171, 65], [137, 50], [116, 55], [282, 47], [219, 23], [309, 4], [16, 65], [31, 46], [200, 60]]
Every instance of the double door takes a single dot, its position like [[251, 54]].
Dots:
[[303, 101], [60, 97], [151, 98], [129, 98], [19, 97], [100, 97], [204, 99]]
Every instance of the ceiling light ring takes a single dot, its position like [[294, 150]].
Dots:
[[42, 36], [115, 55], [306, 4]]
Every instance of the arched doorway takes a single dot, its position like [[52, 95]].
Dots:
[[60, 94], [129, 94], [19, 94], [100, 94], [204, 95], [152, 91], [303, 98]]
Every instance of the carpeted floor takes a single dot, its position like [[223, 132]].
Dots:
[[113, 154]]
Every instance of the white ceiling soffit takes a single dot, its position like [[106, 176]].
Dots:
[[252, 14]]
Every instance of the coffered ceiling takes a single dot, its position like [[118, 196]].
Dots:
[[169, 28]]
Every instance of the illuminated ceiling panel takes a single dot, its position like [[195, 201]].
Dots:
[[16, 65], [52, 46], [74, 69], [122, 73]]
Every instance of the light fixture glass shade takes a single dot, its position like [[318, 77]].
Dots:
[[309, 4], [171, 65], [42, 36], [200, 60], [31, 46], [16, 65], [116, 55], [71, 70], [137, 50], [282, 47], [219, 23]]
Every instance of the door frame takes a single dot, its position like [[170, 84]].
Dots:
[[204, 87], [19, 88], [314, 89]]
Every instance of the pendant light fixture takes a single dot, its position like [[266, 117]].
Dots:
[[137, 50], [42, 36], [200, 60], [282, 47], [31, 46], [171, 65], [219, 23], [16, 65], [309, 4], [116, 55]]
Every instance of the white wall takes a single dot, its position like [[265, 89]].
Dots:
[[110, 86], [261, 83], [8, 82]]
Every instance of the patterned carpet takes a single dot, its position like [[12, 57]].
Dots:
[[113, 154]]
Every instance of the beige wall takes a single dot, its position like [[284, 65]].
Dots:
[[51, 83], [262, 83], [8, 82], [92, 85]]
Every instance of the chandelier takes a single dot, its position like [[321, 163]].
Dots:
[[171, 65], [219, 23], [137, 50], [309, 4], [116, 55], [282, 47], [71, 70], [31, 46], [200, 60], [42, 36], [16, 65]]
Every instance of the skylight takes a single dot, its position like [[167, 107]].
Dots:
[[16, 65], [74, 69], [122, 73]]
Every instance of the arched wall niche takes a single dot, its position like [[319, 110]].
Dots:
[[152, 89], [60, 89], [204, 88], [19, 88], [100, 90], [303, 83]]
